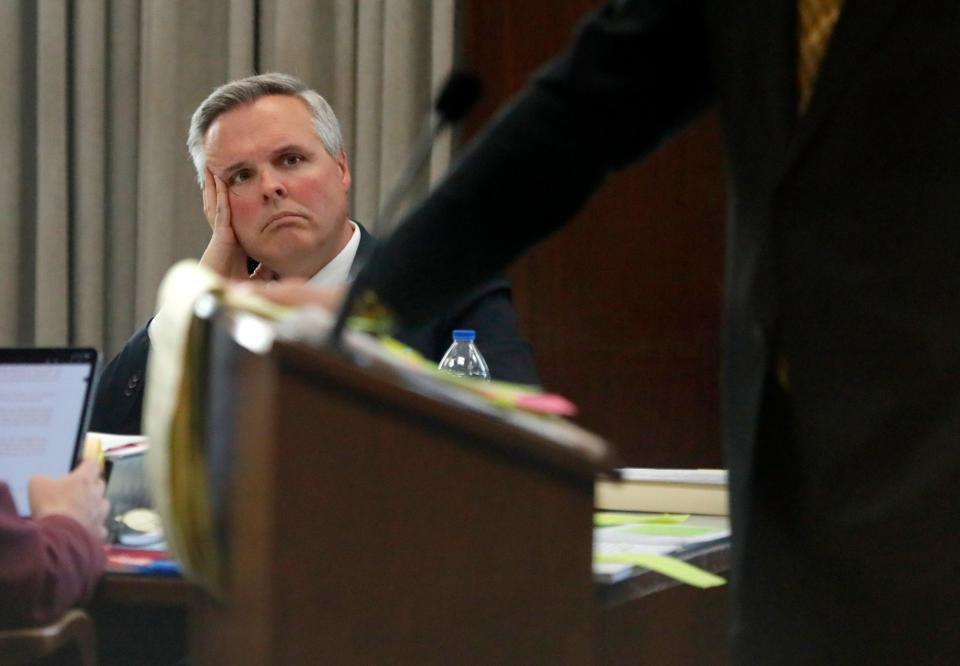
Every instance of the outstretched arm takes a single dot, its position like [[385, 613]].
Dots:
[[637, 73]]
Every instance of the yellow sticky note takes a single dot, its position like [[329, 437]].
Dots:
[[93, 449], [608, 518], [668, 566], [679, 531], [401, 351]]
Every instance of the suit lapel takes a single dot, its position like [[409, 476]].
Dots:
[[860, 25], [364, 250]]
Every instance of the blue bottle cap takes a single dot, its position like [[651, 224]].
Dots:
[[464, 335]]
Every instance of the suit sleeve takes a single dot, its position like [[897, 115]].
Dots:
[[118, 404], [637, 73], [46, 566]]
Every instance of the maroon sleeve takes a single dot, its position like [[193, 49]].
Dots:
[[46, 565]]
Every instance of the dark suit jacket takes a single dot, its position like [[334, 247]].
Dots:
[[488, 310], [843, 259]]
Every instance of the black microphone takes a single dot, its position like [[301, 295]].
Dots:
[[456, 98], [458, 95]]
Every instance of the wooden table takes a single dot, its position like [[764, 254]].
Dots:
[[648, 618], [653, 619], [142, 620]]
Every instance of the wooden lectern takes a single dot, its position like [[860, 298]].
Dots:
[[370, 521]]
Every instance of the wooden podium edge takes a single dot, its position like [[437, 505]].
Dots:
[[590, 458]]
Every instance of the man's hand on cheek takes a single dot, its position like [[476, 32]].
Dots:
[[224, 254]]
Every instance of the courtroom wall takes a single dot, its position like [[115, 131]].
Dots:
[[623, 307]]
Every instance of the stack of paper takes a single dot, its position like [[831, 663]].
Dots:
[[171, 420], [698, 491], [622, 542], [120, 446]]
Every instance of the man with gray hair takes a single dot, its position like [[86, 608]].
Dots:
[[275, 179]]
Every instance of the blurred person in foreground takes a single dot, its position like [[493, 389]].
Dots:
[[841, 338], [270, 160], [52, 561]]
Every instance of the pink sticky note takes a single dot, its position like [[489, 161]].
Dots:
[[547, 403]]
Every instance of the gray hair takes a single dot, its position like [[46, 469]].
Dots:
[[250, 89]]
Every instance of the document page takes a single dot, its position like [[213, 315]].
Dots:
[[41, 406]]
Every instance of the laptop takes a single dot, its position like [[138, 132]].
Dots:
[[45, 397]]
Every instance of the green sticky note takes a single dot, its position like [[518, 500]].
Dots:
[[669, 530], [666, 565], [606, 519]]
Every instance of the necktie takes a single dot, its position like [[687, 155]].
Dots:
[[816, 20]]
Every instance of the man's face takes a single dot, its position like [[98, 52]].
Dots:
[[288, 196]]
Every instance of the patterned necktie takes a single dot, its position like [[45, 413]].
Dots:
[[816, 21]]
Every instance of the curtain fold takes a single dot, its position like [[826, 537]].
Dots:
[[88, 171], [15, 286], [99, 197], [52, 191], [122, 154]]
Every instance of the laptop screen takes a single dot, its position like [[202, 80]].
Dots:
[[44, 403]]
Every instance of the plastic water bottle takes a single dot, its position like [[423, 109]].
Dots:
[[463, 358]]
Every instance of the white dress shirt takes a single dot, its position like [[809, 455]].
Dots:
[[337, 271]]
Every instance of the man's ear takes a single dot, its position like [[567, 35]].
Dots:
[[344, 167]]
